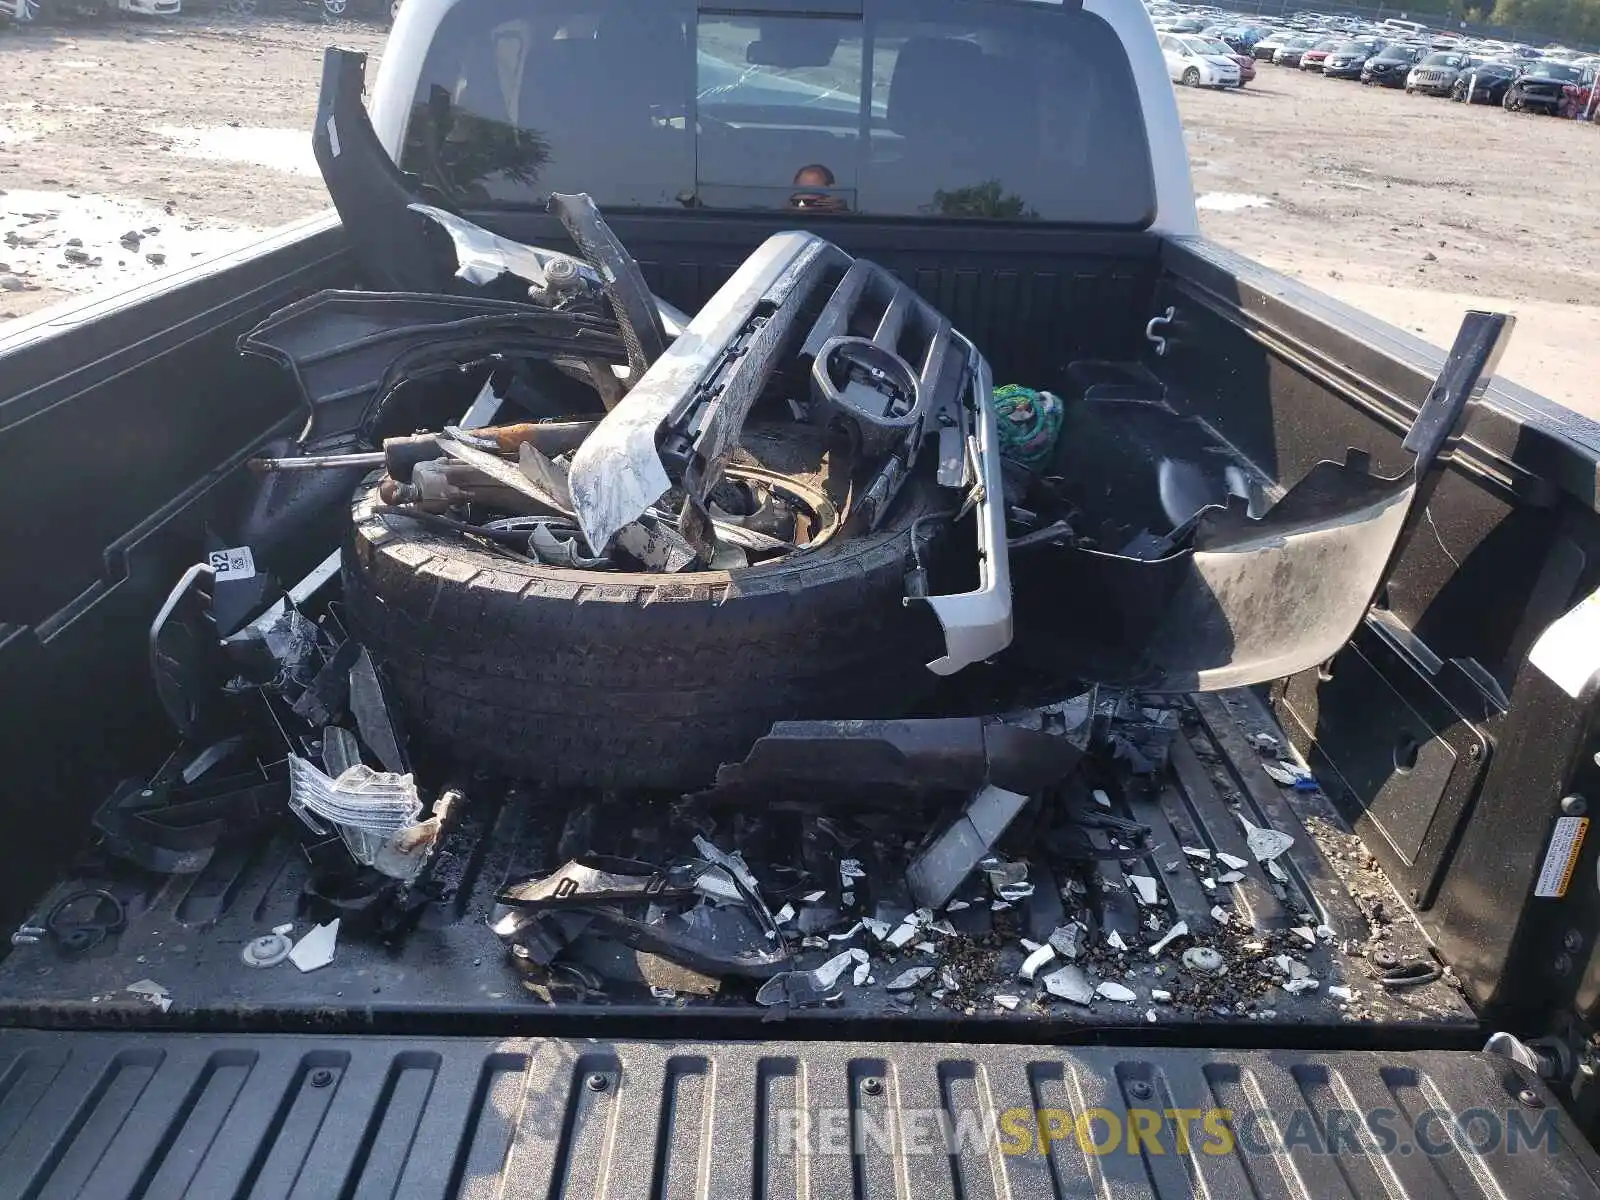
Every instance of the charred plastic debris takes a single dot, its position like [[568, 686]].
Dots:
[[541, 416]]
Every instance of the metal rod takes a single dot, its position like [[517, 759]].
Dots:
[[269, 466]]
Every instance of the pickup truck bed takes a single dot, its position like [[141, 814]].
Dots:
[[451, 973], [187, 1115]]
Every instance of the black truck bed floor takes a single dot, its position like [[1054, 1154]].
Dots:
[[105, 1116], [1332, 913]]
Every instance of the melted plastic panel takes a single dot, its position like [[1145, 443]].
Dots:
[[98, 1115]]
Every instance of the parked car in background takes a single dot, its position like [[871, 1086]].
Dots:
[[1539, 88], [1347, 59], [1485, 83], [1195, 62], [1267, 45], [1391, 65], [1289, 54], [1436, 74], [1314, 58]]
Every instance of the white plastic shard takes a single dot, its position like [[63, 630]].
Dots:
[[1265, 844], [1035, 960], [1071, 984], [1177, 931], [316, 948], [908, 979], [1145, 888], [1116, 991]]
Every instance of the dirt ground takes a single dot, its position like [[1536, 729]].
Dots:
[[1412, 208], [1408, 207]]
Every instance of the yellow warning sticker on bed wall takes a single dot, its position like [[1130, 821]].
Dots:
[[1562, 856]]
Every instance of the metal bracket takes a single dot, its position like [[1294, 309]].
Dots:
[[1161, 322]]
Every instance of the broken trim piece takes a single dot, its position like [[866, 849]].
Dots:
[[977, 624], [618, 472]]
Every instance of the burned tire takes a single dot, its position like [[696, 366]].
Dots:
[[606, 679]]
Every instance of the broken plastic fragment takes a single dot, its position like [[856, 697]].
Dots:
[[1229, 877], [1265, 844], [1339, 992], [800, 988], [374, 713], [925, 948], [812, 897], [1100, 798], [1070, 983], [1114, 940], [1295, 986], [316, 948], [1007, 1002], [1325, 933], [367, 807], [1305, 933], [850, 869], [863, 972], [829, 972], [1196, 852], [1035, 960], [1145, 888], [734, 864], [846, 935], [1112, 990], [284, 930], [1150, 1015], [1067, 939], [1161, 996], [1288, 774], [663, 993], [1015, 892], [1232, 860], [1277, 872], [1264, 742], [878, 929], [948, 980], [785, 914], [1291, 968], [956, 906], [1221, 915], [152, 992], [1177, 931], [908, 979], [936, 873]]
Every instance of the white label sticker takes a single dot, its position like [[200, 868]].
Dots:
[[237, 563], [1568, 652], [333, 137], [1562, 856]]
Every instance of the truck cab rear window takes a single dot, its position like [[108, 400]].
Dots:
[[921, 108]]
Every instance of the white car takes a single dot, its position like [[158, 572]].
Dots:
[[25, 12], [1197, 62]]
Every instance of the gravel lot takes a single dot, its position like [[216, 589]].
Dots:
[[1408, 207]]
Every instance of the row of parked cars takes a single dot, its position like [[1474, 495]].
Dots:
[[1212, 48], [29, 12]]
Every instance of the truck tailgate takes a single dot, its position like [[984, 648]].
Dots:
[[100, 1115]]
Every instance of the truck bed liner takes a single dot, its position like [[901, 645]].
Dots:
[[103, 1115], [186, 934]]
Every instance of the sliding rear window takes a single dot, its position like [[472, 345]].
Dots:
[[992, 109]]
